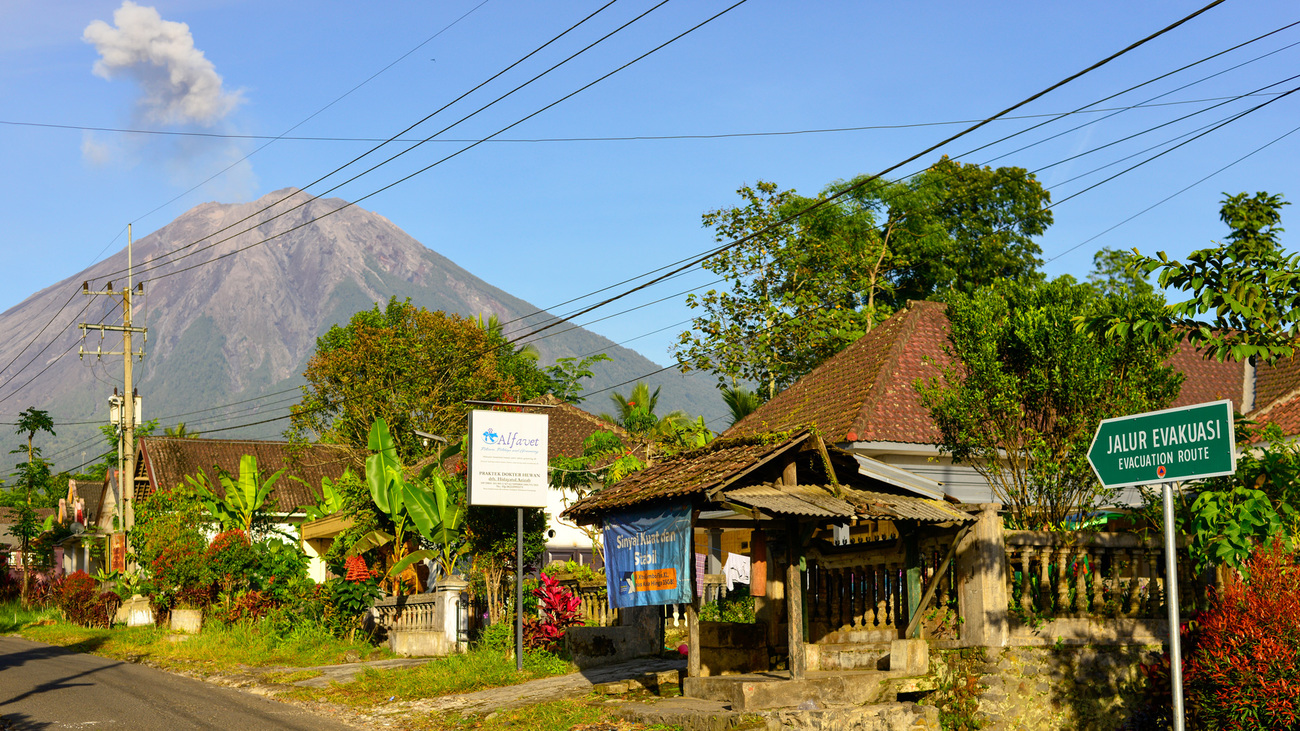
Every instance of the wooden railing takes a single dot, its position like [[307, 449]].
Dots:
[[593, 600], [1099, 575], [868, 589]]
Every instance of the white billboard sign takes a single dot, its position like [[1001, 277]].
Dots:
[[507, 459]]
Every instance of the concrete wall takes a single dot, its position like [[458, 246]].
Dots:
[[637, 636], [1048, 689]]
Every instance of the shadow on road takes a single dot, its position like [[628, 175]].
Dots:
[[21, 722], [12, 660]]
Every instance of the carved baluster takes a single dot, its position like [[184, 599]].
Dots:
[[896, 595], [1080, 578], [1142, 588], [1062, 581], [1026, 590], [844, 585], [832, 599], [1158, 594], [1044, 556], [877, 596], [1097, 566], [861, 610]]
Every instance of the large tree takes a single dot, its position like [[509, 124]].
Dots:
[[1243, 295], [801, 287], [1025, 390], [408, 366]]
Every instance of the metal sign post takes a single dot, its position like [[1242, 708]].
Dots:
[[508, 467], [1186, 443], [1171, 602]]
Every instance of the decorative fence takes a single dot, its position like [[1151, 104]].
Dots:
[[1094, 575], [868, 589], [593, 601], [410, 612]]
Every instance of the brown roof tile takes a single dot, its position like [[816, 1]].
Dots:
[[721, 461], [1277, 381], [569, 426], [865, 392], [1206, 379], [166, 461]]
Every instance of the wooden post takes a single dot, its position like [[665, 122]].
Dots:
[[794, 603], [911, 545], [693, 618]]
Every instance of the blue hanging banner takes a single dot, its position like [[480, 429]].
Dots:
[[647, 554]]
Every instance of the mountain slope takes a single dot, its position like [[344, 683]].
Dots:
[[229, 327]]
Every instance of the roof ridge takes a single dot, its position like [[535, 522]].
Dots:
[[890, 364]]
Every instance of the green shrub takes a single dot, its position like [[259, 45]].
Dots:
[[738, 606]]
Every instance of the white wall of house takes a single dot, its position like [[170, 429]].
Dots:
[[569, 539]]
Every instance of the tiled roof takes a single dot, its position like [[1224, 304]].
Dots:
[[1276, 381], [1277, 395], [569, 426], [1206, 378], [166, 461], [9, 516], [92, 491], [721, 461], [865, 392]]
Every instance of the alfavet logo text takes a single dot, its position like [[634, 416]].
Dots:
[[509, 440]]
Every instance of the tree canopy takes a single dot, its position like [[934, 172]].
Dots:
[[1243, 294], [1025, 390], [801, 288], [412, 368]]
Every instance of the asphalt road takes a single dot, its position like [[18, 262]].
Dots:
[[45, 687]]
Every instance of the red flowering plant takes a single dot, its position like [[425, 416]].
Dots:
[[1244, 670], [560, 611], [1241, 656]]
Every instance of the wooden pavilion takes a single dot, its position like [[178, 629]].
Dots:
[[845, 555]]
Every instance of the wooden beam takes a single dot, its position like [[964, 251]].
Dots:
[[915, 624]]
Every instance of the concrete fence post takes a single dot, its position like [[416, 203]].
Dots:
[[982, 580]]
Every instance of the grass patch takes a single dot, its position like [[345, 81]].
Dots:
[[475, 670], [288, 678], [560, 715], [13, 617], [218, 648]]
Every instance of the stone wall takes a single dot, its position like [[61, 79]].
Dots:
[[1044, 688]]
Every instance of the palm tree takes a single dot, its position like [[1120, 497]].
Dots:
[[180, 432], [741, 401]]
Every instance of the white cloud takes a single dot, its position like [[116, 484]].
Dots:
[[94, 150], [178, 84]]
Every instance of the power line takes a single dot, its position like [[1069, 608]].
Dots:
[[818, 204], [608, 138], [1168, 198], [409, 128], [313, 115]]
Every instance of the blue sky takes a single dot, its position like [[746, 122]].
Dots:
[[548, 221]]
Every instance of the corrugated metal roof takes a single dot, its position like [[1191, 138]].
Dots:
[[796, 500], [916, 508], [899, 477], [820, 501]]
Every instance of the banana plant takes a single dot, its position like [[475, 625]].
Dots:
[[331, 500], [412, 507], [245, 496]]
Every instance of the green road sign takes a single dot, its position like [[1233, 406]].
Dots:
[[1187, 443]]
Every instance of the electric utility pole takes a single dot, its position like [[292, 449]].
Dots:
[[126, 445]]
